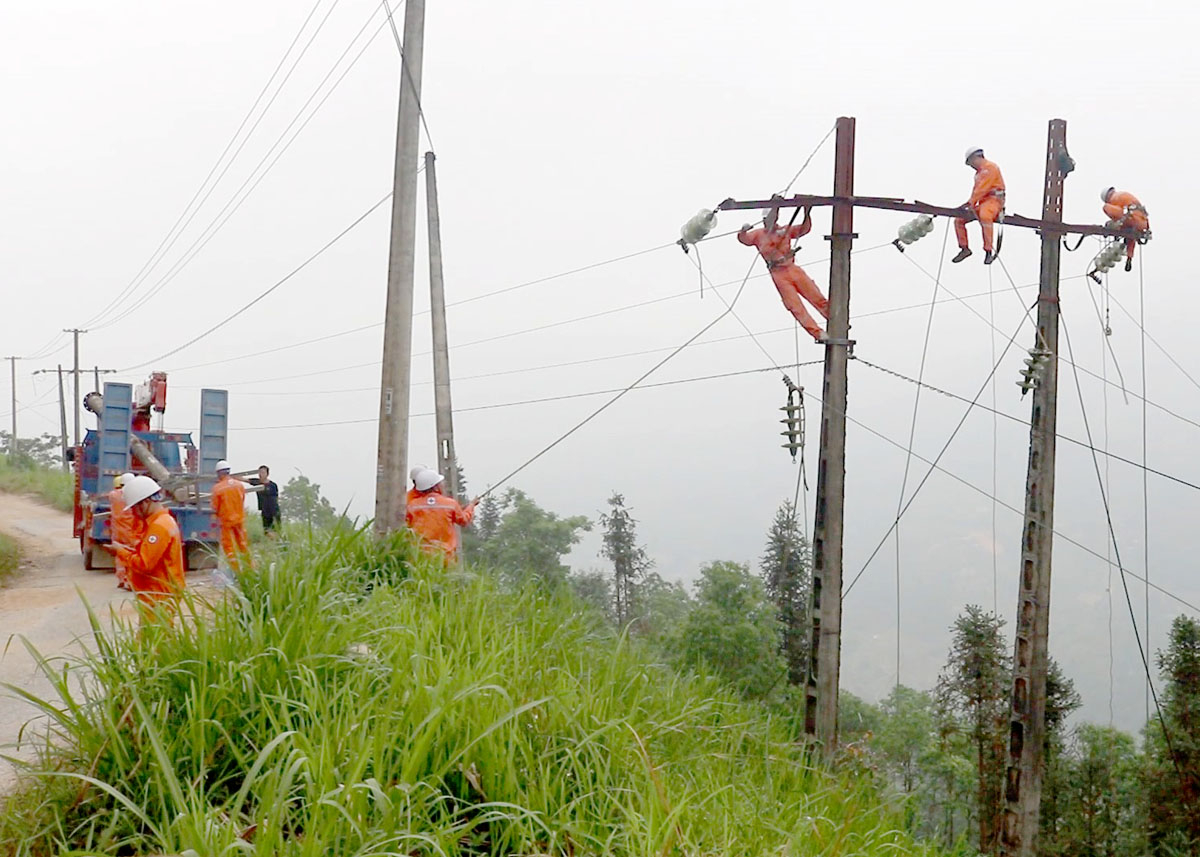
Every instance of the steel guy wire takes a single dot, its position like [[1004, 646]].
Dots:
[[1145, 488], [941, 452], [180, 224], [808, 160]]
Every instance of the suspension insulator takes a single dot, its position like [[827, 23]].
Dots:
[[697, 227], [912, 231], [1109, 255], [793, 420], [1034, 372]]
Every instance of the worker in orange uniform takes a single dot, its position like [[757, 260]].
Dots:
[[775, 246], [124, 526], [986, 205], [435, 517], [155, 563], [229, 504], [1129, 213]]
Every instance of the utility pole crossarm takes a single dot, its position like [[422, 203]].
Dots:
[[918, 207]]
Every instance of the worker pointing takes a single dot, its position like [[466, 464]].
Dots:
[[229, 504], [985, 205], [434, 517], [791, 281], [155, 564], [1128, 213]]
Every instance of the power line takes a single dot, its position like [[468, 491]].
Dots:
[[180, 224], [263, 294], [235, 202], [539, 401], [1112, 534], [1112, 455]]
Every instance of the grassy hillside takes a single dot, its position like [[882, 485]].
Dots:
[[355, 702], [50, 485]]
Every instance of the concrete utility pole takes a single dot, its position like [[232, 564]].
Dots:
[[78, 395], [447, 460], [822, 692], [12, 441], [62, 420], [1027, 732], [392, 456]]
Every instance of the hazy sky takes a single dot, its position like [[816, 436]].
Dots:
[[572, 133]]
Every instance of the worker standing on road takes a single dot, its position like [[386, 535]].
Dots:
[[985, 205], [774, 244], [155, 563], [1129, 213], [434, 517], [229, 504], [125, 527]]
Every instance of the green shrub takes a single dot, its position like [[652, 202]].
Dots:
[[357, 698], [10, 556]]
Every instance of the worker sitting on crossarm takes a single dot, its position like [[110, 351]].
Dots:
[[229, 504], [774, 244], [1126, 212], [435, 517], [155, 563], [985, 205]]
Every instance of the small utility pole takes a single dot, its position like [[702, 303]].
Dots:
[[821, 703], [392, 456], [447, 460], [12, 442], [62, 420], [1027, 732], [78, 395]]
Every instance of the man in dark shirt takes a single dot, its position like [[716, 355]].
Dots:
[[268, 498]]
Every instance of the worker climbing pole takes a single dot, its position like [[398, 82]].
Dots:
[[794, 285], [1125, 211]]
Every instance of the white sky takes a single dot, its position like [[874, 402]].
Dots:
[[571, 133]]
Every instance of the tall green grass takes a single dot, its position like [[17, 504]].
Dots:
[[358, 700], [50, 485]]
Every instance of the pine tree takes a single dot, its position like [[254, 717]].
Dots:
[[972, 696], [630, 562], [786, 570]]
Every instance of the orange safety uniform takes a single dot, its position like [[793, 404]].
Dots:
[[229, 504], [434, 517], [1126, 209], [791, 281], [155, 566], [125, 527], [987, 201]]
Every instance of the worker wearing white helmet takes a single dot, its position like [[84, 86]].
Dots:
[[412, 474], [123, 526], [985, 205], [155, 564], [436, 517], [229, 504], [1127, 212]]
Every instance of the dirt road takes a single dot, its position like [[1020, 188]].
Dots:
[[42, 603]]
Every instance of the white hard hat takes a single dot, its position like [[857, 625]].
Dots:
[[222, 465], [1104, 192], [125, 477], [972, 151], [427, 479], [138, 489], [412, 474]]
